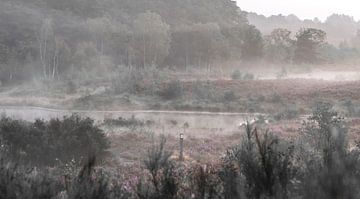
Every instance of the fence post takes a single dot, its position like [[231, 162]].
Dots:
[[181, 147]]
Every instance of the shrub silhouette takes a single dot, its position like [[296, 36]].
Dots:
[[266, 164], [172, 90], [236, 75], [48, 143], [336, 173], [162, 182]]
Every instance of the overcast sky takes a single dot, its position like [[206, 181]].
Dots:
[[304, 9]]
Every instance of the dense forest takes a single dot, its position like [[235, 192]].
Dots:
[[49, 39]]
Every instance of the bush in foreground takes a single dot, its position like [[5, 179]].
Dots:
[[53, 142]]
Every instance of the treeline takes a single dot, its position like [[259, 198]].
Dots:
[[320, 163], [48, 39], [309, 45], [335, 22]]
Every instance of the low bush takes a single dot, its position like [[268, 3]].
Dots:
[[138, 81], [288, 113], [123, 122], [249, 76], [32, 183], [162, 182], [282, 74], [172, 90], [20, 182], [275, 98], [236, 75], [49, 143], [266, 163], [71, 87], [204, 91], [229, 96], [336, 173], [205, 182]]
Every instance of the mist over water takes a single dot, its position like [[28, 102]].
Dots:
[[223, 122]]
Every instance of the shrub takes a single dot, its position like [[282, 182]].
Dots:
[[229, 96], [288, 114], [236, 75], [266, 164], [351, 108], [231, 180], [249, 76], [123, 122], [128, 81], [205, 182], [33, 183], [162, 182], [282, 74], [46, 143], [91, 183], [138, 81], [276, 98], [335, 173], [172, 90], [70, 87], [204, 91], [21, 182]]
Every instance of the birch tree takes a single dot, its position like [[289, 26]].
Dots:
[[45, 42], [152, 39]]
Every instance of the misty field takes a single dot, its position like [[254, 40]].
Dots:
[[176, 99]]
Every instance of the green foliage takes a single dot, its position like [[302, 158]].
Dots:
[[276, 98], [48, 143], [334, 175], [79, 37], [17, 182], [71, 87], [204, 91], [162, 182], [308, 42], [205, 182], [172, 90], [231, 180], [249, 76], [152, 39], [236, 75], [252, 44], [229, 96], [266, 163], [33, 183], [288, 113], [123, 122], [279, 47], [92, 183], [283, 73]]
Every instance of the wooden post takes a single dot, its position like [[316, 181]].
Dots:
[[181, 157]]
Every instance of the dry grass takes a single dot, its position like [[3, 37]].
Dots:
[[131, 148], [248, 96], [298, 89]]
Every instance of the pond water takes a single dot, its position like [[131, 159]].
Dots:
[[195, 120]]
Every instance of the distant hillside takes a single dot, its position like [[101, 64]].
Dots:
[[49, 37], [339, 28]]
